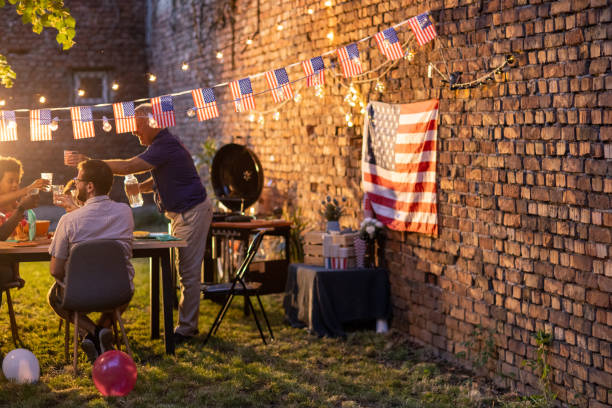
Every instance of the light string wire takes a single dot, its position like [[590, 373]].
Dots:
[[180, 93]]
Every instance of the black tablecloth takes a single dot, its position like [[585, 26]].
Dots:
[[325, 299]]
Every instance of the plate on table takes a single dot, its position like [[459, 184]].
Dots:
[[141, 234], [24, 244]]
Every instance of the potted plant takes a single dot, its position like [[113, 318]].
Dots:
[[332, 211]]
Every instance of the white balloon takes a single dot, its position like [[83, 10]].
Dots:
[[21, 365]]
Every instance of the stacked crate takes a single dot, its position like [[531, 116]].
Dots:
[[334, 251]]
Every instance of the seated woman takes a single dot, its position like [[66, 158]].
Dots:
[[14, 201]]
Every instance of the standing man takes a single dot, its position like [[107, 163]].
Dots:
[[180, 195], [98, 218]]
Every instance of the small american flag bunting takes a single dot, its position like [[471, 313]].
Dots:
[[40, 125], [399, 165], [389, 44], [423, 28], [8, 126], [206, 103], [314, 69], [242, 94], [349, 60], [82, 122], [163, 111], [279, 84], [125, 117]]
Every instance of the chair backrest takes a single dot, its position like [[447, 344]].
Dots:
[[251, 252], [97, 277]]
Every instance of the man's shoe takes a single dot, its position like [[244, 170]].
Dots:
[[179, 338], [105, 337], [89, 347]]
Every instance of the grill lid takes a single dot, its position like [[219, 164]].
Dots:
[[236, 176]]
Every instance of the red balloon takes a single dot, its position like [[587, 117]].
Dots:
[[114, 374]]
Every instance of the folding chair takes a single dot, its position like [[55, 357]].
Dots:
[[6, 287], [238, 287]]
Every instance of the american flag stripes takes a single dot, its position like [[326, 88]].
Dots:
[[40, 125], [205, 102], [423, 28], [349, 60], [399, 165], [163, 111], [279, 84], [389, 44], [125, 117], [242, 93], [314, 69], [82, 122], [8, 126]]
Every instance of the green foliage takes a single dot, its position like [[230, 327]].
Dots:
[[40, 14], [203, 161], [547, 398], [296, 237], [480, 346]]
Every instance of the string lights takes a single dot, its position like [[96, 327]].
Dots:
[[115, 86], [106, 126]]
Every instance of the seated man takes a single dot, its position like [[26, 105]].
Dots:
[[98, 218]]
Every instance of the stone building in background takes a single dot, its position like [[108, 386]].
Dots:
[[524, 161]]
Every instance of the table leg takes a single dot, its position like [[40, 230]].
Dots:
[[154, 293], [168, 291]]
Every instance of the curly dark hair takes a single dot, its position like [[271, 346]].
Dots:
[[10, 165]]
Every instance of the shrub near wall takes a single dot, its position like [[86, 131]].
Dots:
[[525, 171]]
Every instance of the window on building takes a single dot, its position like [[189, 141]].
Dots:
[[90, 87]]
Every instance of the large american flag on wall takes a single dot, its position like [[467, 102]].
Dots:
[[399, 165]]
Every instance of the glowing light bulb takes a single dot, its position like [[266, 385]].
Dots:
[[380, 87], [152, 121], [349, 119], [330, 36], [2, 102], [279, 27], [261, 120], [54, 124], [81, 92], [191, 112], [115, 86], [297, 98], [219, 55], [409, 56], [276, 115], [152, 78], [249, 42], [12, 124], [310, 11], [106, 126], [42, 99], [185, 66], [251, 117], [319, 91], [328, 3]]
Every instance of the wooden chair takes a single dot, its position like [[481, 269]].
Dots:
[[97, 280], [238, 287]]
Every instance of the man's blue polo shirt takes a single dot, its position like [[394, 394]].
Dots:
[[178, 187]]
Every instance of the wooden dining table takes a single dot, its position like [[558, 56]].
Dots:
[[157, 251]]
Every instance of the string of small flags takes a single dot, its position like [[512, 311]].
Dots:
[[42, 124]]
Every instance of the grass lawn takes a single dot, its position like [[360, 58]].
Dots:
[[235, 368]]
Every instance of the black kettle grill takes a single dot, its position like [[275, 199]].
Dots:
[[237, 180]]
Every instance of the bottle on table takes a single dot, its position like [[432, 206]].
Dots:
[[132, 191]]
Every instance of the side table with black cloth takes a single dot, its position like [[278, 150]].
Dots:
[[325, 299]]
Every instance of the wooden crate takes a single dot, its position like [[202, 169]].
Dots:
[[313, 248], [320, 248]]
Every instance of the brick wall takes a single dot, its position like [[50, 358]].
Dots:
[[524, 162], [105, 31]]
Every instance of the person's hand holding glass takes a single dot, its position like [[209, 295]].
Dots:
[[66, 197]]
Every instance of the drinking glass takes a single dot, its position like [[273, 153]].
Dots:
[[49, 177], [58, 191]]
